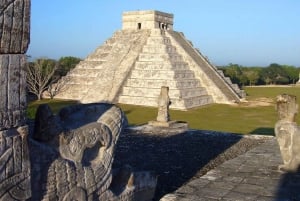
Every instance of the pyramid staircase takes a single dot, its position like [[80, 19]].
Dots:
[[158, 65], [101, 75], [131, 67]]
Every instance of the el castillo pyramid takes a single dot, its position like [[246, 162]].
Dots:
[[132, 65]]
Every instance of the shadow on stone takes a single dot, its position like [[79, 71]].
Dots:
[[175, 158], [72, 153], [289, 185]]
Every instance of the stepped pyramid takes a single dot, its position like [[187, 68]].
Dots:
[[132, 65]]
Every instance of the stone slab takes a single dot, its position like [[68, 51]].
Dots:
[[12, 90], [15, 26]]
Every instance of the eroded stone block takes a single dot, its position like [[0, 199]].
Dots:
[[14, 165], [288, 132], [15, 26], [12, 90]]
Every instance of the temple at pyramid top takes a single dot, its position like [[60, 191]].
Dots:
[[150, 19], [135, 62]]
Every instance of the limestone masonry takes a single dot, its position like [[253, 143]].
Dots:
[[133, 65]]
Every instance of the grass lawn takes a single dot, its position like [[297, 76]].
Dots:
[[241, 118]]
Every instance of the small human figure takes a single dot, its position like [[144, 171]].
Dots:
[[163, 105]]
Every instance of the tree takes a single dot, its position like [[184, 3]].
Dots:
[[292, 73], [40, 75], [66, 64], [274, 74], [252, 75]]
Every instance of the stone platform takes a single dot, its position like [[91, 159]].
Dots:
[[250, 176]]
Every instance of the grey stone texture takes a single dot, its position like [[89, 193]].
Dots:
[[132, 65], [12, 90], [15, 171], [163, 105], [72, 155], [14, 26], [251, 176], [288, 132], [14, 164]]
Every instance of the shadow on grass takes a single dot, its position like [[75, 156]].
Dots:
[[263, 131], [174, 158]]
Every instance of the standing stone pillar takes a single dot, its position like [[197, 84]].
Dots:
[[288, 132], [14, 156]]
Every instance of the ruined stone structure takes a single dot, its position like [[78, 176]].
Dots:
[[72, 155], [132, 65], [288, 133], [163, 105], [68, 156], [163, 121], [14, 157]]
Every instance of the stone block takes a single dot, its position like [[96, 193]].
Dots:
[[15, 164], [12, 90], [15, 26]]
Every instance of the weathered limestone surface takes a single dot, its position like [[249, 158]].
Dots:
[[14, 26], [12, 90], [288, 133], [100, 77], [14, 154], [14, 164], [149, 19], [72, 155], [136, 61], [163, 105]]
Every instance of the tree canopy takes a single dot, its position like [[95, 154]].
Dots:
[[272, 74], [43, 74]]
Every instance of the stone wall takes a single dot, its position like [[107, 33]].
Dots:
[[149, 19], [14, 157]]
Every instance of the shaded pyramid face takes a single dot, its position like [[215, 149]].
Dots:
[[138, 60]]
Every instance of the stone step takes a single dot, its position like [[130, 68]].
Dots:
[[83, 72], [210, 70], [101, 50], [159, 57], [228, 80], [198, 101], [158, 40], [162, 74], [176, 103], [173, 93], [157, 32], [89, 81], [159, 49], [88, 64], [157, 83], [145, 65], [221, 73]]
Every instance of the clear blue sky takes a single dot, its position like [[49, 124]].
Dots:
[[245, 32]]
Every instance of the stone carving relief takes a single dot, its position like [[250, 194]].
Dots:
[[76, 151], [288, 132], [68, 156], [14, 153]]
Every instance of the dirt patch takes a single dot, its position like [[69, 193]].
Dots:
[[258, 102]]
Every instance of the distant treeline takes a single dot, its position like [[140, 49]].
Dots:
[[272, 74]]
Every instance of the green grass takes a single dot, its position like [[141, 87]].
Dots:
[[271, 92], [54, 104], [218, 117]]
